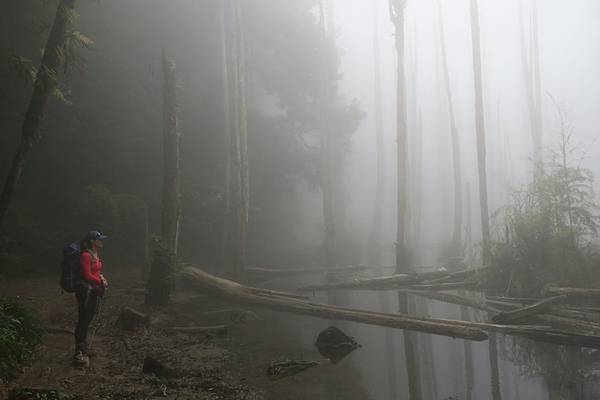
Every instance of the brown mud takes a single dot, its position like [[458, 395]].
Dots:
[[208, 366]]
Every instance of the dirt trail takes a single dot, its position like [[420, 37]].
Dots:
[[209, 367]]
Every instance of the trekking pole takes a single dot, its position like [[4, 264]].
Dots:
[[98, 319]]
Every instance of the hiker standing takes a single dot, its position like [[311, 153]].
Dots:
[[89, 292]]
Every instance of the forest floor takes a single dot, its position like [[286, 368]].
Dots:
[[229, 366]]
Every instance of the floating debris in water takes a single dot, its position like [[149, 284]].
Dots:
[[335, 344], [285, 368]]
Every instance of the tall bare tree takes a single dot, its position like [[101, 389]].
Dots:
[[397, 13], [481, 163], [456, 157], [45, 84], [530, 61], [237, 197], [375, 235], [480, 131], [374, 254], [160, 281], [327, 157]]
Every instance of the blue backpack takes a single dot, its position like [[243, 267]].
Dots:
[[70, 277]]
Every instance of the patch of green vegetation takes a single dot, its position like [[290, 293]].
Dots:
[[20, 333], [550, 227], [40, 394]]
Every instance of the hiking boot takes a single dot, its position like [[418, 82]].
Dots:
[[80, 360]]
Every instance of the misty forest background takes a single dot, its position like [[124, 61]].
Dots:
[[99, 163]]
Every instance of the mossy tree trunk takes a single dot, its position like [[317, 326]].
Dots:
[[160, 282], [46, 83]]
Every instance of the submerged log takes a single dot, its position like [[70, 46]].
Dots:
[[528, 311], [234, 291]]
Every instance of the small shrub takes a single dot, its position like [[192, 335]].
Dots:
[[20, 333]]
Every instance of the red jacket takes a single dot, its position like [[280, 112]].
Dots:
[[91, 268]]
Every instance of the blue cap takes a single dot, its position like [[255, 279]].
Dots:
[[95, 235]]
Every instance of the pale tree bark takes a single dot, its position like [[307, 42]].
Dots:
[[46, 83], [480, 132], [375, 235], [326, 140], [161, 277], [228, 134], [397, 10], [530, 61], [456, 157], [481, 163], [237, 169]]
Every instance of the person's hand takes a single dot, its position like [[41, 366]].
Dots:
[[104, 281]]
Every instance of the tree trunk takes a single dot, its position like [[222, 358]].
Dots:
[[326, 142], [375, 236], [237, 169], [46, 82], [480, 131], [228, 134], [397, 9], [456, 163], [531, 73], [160, 281]]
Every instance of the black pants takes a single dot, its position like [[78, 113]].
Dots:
[[88, 303]]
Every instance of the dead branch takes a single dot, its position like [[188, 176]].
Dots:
[[528, 311]]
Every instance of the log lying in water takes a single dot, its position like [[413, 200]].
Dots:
[[233, 291], [574, 292], [435, 280], [286, 272], [528, 311]]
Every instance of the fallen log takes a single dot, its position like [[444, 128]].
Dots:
[[234, 291], [569, 324], [217, 329], [528, 311], [453, 328], [285, 272], [573, 292], [453, 299], [275, 293], [424, 280]]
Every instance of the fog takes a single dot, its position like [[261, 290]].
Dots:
[[278, 166]]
